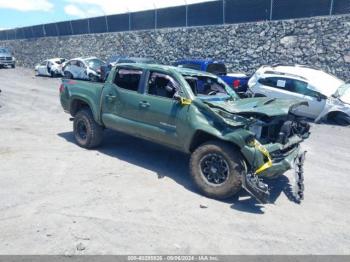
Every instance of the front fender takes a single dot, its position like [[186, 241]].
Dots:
[[332, 106]]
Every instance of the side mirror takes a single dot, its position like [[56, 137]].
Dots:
[[319, 97], [183, 101]]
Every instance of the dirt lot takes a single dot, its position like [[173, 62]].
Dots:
[[134, 197]]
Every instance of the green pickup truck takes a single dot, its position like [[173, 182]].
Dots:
[[233, 142]]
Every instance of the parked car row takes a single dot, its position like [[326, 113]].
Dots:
[[327, 96]]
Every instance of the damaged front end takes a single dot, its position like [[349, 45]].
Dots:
[[272, 148]]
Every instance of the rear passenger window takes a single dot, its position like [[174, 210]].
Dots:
[[128, 79], [270, 81]]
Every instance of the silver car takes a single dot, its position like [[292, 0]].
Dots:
[[51, 67], [83, 68], [327, 96]]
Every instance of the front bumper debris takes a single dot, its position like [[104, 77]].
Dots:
[[274, 160]]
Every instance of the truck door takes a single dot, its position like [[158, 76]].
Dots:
[[120, 102], [162, 114]]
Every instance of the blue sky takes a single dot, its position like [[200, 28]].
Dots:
[[20, 13]]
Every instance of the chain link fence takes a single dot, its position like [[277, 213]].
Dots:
[[208, 13]]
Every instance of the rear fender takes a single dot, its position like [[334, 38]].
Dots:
[[75, 107]]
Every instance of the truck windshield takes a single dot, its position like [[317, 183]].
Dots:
[[210, 88], [3, 50]]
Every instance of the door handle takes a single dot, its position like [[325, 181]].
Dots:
[[144, 104], [110, 98]]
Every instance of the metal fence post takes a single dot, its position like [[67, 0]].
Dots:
[[57, 31], [331, 8], [186, 14], [107, 28], [44, 31], [223, 11], [129, 20], [271, 9], [155, 19], [88, 20], [31, 28], [71, 27]]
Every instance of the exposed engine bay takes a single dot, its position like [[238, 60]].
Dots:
[[288, 131]]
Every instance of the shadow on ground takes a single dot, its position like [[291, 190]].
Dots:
[[169, 163]]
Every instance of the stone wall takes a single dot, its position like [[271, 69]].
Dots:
[[321, 41]]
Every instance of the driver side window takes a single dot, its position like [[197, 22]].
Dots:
[[162, 85], [80, 64]]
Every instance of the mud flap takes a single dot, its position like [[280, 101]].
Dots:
[[256, 188]]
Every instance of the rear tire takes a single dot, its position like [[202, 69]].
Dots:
[[216, 168], [87, 132]]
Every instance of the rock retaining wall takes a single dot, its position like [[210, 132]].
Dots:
[[321, 41]]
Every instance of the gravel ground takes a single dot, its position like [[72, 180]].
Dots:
[[134, 197]]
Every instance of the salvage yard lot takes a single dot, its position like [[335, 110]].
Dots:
[[133, 197]]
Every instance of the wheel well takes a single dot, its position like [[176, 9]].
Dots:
[[333, 114], [77, 105], [201, 137]]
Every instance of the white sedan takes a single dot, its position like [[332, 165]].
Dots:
[[51, 67], [327, 96], [83, 68]]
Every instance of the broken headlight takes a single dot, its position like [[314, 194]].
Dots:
[[256, 129]]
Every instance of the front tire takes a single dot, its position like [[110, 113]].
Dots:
[[87, 132], [216, 168], [93, 78], [68, 75], [13, 66]]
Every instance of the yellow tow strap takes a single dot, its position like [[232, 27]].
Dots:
[[266, 153]]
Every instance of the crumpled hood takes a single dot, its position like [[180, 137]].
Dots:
[[259, 105]]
